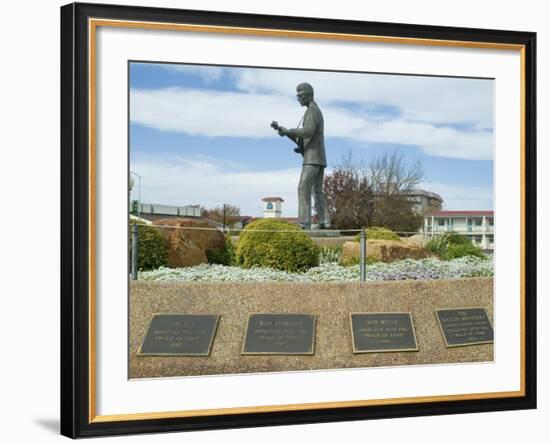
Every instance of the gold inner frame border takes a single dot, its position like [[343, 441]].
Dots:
[[93, 24]]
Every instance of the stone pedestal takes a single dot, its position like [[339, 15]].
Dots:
[[331, 303]]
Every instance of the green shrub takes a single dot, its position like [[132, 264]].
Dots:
[[226, 256], [480, 273], [438, 244], [350, 261], [456, 238], [328, 254], [152, 247], [356, 260], [289, 251], [380, 233], [459, 250], [452, 246]]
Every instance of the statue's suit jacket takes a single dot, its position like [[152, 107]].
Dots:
[[313, 136]]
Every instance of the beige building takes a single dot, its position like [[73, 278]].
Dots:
[[477, 225], [425, 202]]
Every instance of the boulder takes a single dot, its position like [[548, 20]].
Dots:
[[382, 250], [416, 240], [188, 247], [350, 253]]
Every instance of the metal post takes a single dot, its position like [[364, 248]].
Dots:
[[134, 252], [224, 206], [362, 254]]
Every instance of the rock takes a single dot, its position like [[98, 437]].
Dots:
[[350, 253], [389, 251], [188, 247], [416, 240], [382, 250]]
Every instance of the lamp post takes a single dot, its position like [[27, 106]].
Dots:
[[134, 228]]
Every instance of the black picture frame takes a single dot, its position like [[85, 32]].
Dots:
[[77, 416]]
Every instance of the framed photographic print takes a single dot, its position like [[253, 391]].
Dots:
[[274, 220]]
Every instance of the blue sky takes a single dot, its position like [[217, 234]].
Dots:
[[201, 135]]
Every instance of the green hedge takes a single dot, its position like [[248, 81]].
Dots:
[[226, 256], [380, 233], [152, 248], [291, 251]]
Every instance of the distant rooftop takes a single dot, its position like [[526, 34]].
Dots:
[[425, 193], [273, 199], [464, 213]]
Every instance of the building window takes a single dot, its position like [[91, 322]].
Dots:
[[440, 222], [269, 206], [490, 221], [491, 239], [477, 222]]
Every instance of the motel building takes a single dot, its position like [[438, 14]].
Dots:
[[477, 225]]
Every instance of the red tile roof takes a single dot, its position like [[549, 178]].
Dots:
[[464, 213]]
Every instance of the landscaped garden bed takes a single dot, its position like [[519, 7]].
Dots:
[[429, 268]]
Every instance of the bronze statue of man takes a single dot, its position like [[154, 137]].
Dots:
[[311, 145]]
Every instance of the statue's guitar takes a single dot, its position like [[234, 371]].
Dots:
[[298, 140]]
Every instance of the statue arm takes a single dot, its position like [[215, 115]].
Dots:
[[284, 132], [309, 128], [293, 138]]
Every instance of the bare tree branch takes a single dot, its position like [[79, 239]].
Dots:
[[374, 195]]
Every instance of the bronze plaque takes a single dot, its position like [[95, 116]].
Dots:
[[280, 334], [179, 335], [382, 332], [465, 326]]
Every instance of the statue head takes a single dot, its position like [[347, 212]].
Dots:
[[304, 93]]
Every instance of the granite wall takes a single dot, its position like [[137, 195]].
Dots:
[[330, 302]]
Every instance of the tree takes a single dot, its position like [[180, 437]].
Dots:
[[230, 217], [374, 195], [392, 180], [349, 195]]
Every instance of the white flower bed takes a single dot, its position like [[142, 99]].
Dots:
[[429, 268]]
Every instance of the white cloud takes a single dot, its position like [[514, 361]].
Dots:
[[438, 100], [210, 113], [208, 74], [437, 141], [240, 114], [178, 180]]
